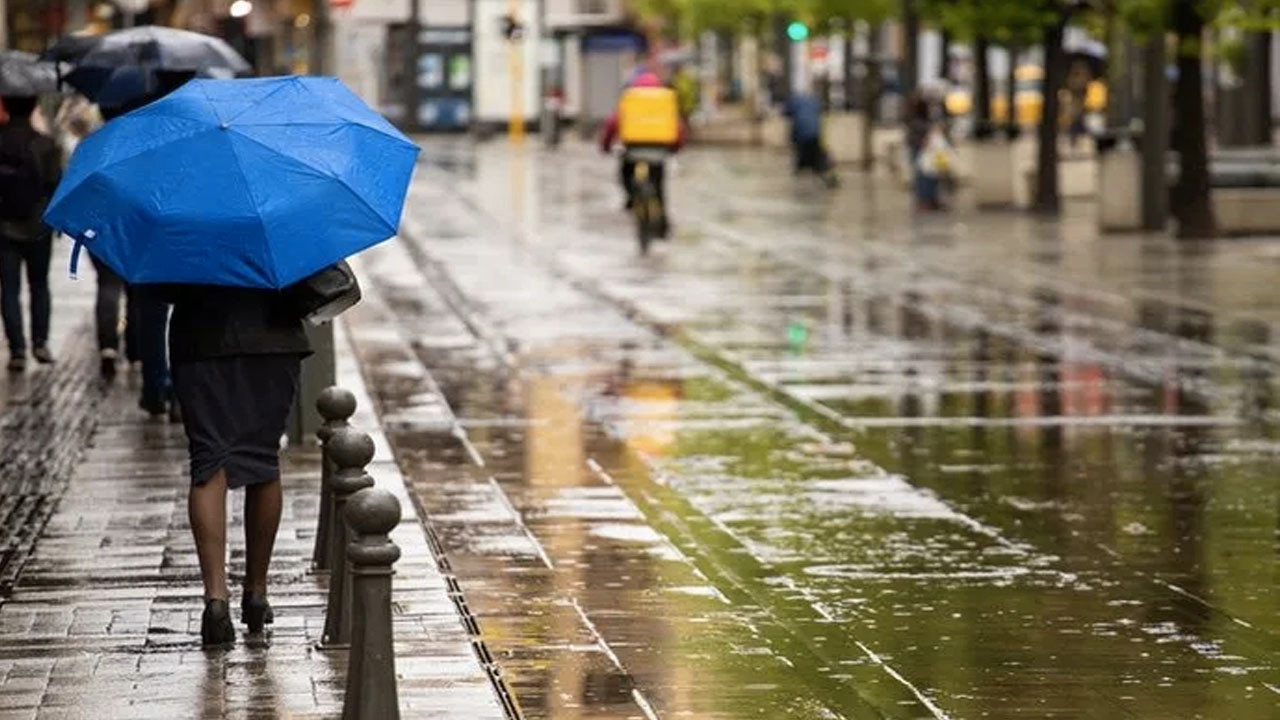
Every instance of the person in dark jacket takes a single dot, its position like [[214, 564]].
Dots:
[[30, 169], [919, 122], [236, 356], [111, 288], [146, 317], [805, 112]]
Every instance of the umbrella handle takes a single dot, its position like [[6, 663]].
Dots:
[[76, 247]]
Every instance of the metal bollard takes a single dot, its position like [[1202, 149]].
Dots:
[[336, 406], [371, 514], [350, 451]]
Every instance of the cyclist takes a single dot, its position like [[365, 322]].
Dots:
[[647, 117]]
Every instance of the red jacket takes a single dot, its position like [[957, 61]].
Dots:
[[610, 133]]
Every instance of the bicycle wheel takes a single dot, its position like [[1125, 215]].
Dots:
[[645, 198]]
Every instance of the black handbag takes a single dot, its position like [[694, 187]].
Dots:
[[326, 294]]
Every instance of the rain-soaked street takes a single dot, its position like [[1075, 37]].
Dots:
[[817, 459]]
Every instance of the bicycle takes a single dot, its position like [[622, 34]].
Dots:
[[646, 201]]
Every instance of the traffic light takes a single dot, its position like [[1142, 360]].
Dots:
[[798, 31], [512, 28]]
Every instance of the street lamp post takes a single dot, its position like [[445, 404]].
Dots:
[[322, 29], [414, 50]]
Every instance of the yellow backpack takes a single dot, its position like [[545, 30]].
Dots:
[[649, 116]]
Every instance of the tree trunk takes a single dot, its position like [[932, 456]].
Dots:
[[783, 42], [910, 48], [760, 92], [944, 70], [1260, 90], [1046, 199], [1155, 137], [1192, 198], [981, 82], [852, 93], [871, 85], [1119, 64], [1011, 88]]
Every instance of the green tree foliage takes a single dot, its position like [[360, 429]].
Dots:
[[1016, 22], [828, 12]]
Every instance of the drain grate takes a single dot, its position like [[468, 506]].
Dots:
[[507, 698]]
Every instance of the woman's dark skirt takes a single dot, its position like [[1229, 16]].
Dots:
[[234, 410]]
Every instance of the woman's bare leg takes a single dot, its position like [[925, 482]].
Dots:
[[262, 507], [207, 511]]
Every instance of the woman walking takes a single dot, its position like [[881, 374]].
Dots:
[[236, 356], [236, 201]]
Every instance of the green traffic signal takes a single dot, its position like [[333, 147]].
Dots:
[[798, 31]]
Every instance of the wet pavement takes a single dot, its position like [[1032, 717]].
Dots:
[[816, 459], [46, 416], [103, 620]]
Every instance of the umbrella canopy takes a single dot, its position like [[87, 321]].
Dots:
[[26, 75], [71, 48], [125, 86], [161, 48], [247, 183], [121, 67]]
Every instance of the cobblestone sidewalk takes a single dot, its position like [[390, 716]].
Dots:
[[103, 621], [46, 416]]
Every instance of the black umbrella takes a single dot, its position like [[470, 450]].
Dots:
[[25, 74], [122, 67], [71, 48], [128, 93], [157, 48]]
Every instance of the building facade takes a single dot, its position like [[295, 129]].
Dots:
[[468, 67]]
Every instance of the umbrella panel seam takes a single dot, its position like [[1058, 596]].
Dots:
[[127, 158], [256, 103], [327, 174], [257, 213], [393, 226]]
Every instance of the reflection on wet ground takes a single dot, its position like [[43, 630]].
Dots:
[[815, 460]]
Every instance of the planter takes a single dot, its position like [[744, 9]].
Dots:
[[991, 172], [842, 133], [1120, 190]]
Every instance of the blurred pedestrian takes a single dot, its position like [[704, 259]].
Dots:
[[935, 162], [111, 288], [919, 123], [147, 314], [237, 357], [30, 169], [553, 113], [805, 111], [75, 120], [146, 321]]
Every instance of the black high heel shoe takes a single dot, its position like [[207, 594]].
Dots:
[[255, 611], [216, 629]]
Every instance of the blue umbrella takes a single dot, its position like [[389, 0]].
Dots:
[[246, 183]]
